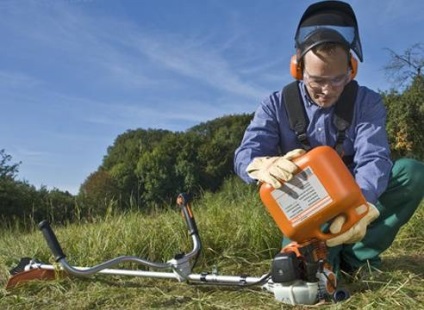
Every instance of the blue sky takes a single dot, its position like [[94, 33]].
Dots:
[[76, 74]]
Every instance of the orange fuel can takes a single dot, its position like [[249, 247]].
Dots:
[[321, 190]]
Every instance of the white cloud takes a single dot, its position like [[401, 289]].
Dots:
[[198, 62], [12, 79]]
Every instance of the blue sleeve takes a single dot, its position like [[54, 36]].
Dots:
[[268, 134], [261, 137], [372, 153]]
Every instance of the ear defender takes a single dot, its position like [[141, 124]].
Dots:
[[296, 68], [297, 72]]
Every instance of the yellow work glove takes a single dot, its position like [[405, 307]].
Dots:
[[357, 231], [273, 170]]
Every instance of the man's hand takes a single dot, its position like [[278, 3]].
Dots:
[[357, 231], [273, 170]]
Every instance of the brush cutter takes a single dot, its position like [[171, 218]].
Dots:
[[299, 273]]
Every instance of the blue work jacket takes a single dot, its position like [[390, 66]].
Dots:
[[269, 134]]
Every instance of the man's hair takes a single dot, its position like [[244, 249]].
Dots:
[[328, 48]]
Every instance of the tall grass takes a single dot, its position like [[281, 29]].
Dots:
[[238, 237]]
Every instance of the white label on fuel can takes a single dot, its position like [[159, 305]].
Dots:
[[302, 196]]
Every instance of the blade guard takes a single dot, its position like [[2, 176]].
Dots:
[[30, 275], [322, 189]]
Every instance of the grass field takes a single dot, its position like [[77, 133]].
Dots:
[[238, 237]]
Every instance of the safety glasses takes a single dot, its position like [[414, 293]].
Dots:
[[320, 82]]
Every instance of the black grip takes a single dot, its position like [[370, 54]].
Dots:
[[191, 223], [51, 239], [184, 203]]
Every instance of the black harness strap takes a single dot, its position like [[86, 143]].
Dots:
[[343, 115], [296, 112]]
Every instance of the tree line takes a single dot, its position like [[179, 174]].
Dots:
[[145, 169]]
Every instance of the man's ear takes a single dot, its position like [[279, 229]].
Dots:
[[353, 64]]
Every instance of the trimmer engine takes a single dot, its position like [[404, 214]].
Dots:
[[300, 274]]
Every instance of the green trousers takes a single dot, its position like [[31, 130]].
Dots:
[[396, 205]]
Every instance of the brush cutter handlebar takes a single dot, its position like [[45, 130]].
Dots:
[[51, 240], [180, 264]]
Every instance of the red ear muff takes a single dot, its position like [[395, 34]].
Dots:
[[295, 68], [353, 63]]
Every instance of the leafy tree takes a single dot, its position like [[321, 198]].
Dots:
[[11, 191], [156, 175], [153, 166], [222, 136], [7, 170], [169, 168], [122, 158], [187, 168], [129, 145], [97, 192], [405, 120], [405, 107], [60, 207]]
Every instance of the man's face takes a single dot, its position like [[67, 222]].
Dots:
[[325, 75]]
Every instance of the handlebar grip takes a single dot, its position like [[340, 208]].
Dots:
[[51, 239], [183, 201]]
